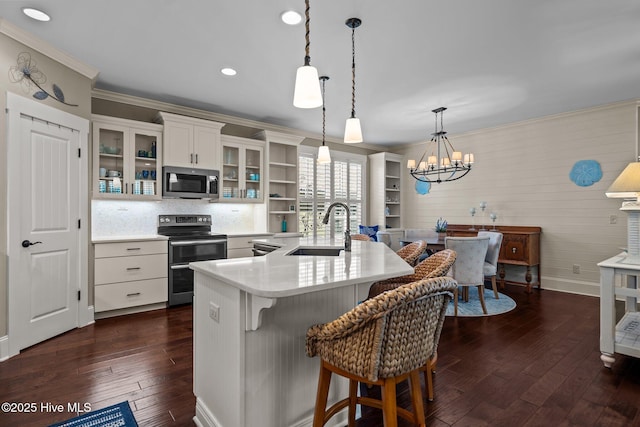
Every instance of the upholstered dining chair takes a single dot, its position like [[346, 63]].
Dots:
[[382, 341], [436, 265], [468, 268], [362, 237], [411, 252], [490, 267]]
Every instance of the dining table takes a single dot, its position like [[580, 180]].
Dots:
[[434, 243]]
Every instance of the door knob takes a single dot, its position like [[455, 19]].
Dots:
[[26, 243]]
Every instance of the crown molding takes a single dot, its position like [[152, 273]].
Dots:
[[208, 115], [28, 39], [535, 120]]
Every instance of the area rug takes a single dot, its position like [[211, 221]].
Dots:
[[118, 415], [474, 309]]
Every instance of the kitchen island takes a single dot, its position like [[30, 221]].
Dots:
[[250, 320]]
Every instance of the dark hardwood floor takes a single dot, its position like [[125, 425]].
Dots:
[[538, 365]]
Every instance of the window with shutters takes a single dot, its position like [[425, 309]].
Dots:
[[342, 180]]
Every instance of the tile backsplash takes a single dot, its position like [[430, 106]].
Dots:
[[132, 218]]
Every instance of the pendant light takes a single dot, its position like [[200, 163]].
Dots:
[[307, 90], [352, 130], [324, 157]]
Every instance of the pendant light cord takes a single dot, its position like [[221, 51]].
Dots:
[[324, 79], [307, 58], [353, 72]]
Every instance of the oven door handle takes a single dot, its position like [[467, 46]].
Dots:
[[179, 267], [196, 242]]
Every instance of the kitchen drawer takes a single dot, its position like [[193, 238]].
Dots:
[[125, 269], [244, 241], [130, 294], [132, 248], [240, 252]]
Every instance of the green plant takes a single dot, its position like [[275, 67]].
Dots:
[[441, 225]]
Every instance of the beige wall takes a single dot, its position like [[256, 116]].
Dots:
[[77, 90], [522, 172]]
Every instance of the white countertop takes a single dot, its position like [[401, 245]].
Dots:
[[116, 239], [279, 275]]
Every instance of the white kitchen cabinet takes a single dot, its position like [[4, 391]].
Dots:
[[242, 172], [130, 274], [242, 246], [385, 171], [127, 159], [190, 142], [282, 181]]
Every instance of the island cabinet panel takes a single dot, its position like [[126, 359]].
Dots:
[[520, 247], [250, 321]]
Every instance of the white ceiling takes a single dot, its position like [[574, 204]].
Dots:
[[490, 62]]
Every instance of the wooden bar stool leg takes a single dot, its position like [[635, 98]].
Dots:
[[429, 369], [416, 398], [353, 390], [389, 409], [322, 395]]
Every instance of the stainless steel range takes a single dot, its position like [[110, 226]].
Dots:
[[190, 239]]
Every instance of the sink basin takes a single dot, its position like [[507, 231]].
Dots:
[[316, 251]]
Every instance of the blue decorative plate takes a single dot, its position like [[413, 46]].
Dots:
[[585, 173], [423, 187]]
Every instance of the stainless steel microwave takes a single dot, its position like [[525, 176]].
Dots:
[[190, 183]]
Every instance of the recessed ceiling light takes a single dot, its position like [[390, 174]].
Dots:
[[291, 17], [228, 71], [36, 14]]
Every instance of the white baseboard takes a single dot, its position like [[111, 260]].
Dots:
[[4, 348], [571, 286], [88, 318]]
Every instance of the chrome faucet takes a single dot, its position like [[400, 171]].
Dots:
[[347, 231]]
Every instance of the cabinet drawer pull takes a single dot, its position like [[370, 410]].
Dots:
[[134, 294], [133, 249], [133, 268], [513, 250]]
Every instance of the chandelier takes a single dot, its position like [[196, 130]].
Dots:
[[440, 162]]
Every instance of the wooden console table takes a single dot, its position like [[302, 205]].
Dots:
[[520, 246]]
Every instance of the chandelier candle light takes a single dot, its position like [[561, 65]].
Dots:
[[440, 162], [324, 157], [307, 90], [352, 129]]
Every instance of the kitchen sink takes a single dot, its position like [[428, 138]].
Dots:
[[315, 251]]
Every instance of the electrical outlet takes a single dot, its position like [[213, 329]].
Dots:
[[613, 219], [214, 311], [576, 268]]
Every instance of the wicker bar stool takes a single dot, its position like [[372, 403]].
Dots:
[[411, 252], [436, 265], [362, 237], [382, 341]]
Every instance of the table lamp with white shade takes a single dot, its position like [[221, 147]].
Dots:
[[627, 186]]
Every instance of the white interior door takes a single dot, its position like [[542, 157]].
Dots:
[[45, 262]]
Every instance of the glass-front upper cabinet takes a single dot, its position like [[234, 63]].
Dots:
[[127, 159], [241, 173]]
